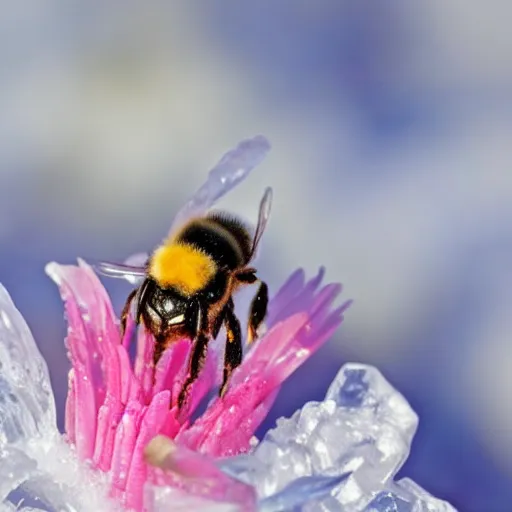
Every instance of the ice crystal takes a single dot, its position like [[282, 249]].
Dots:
[[361, 433]]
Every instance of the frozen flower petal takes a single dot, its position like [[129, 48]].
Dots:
[[197, 475], [363, 427], [15, 468], [27, 406], [301, 492]]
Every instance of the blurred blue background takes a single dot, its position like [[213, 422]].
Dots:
[[391, 126]]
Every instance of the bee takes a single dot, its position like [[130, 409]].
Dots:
[[189, 280]]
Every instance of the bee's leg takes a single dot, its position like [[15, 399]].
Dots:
[[198, 318], [258, 312], [259, 304], [233, 351], [217, 324], [126, 311], [246, 276], [197, 358]]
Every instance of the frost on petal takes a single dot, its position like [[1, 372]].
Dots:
[[363, 427], [50, 477], [27, 406], [15, 468]]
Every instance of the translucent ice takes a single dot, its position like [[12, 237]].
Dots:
[[363, 429]]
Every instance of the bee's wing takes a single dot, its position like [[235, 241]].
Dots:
[[263, 216], [132, 273], [139, 259], [232, 168]]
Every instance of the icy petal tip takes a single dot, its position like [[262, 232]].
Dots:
[[27, 406]]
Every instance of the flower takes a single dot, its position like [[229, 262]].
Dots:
[[115, 407], [127, 446]]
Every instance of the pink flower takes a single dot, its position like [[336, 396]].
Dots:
[[121, 414], [115, 407]]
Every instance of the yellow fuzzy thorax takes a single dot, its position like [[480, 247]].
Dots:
[[181, 266]]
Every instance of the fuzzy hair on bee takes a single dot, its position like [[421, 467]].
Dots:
[[188, 291], [188, 281]]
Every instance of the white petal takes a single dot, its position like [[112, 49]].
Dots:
[[27, 406]]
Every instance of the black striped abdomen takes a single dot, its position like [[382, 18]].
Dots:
[[223, 238]]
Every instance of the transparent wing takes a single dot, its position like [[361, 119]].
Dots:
[[139, 259], [232, 168], [263, 216], [132, 273]]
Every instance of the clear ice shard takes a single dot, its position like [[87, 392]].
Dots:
[[364, 429], [38, 470]]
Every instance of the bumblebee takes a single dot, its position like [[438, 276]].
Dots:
[[188, 281]]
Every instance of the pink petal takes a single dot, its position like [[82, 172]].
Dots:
[[297, 297], [124, 444], [151, 425], [197, 474], [254, 420], [238, 441], [251, 383], [127, 380], [171, 425], [202, 385], [271, 346], [85, 413], [293, 285], [172, 368], [92, 331], [87, 377], [314, 333], [129, 332], [108, 419], [102, 317], [144, 369]]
